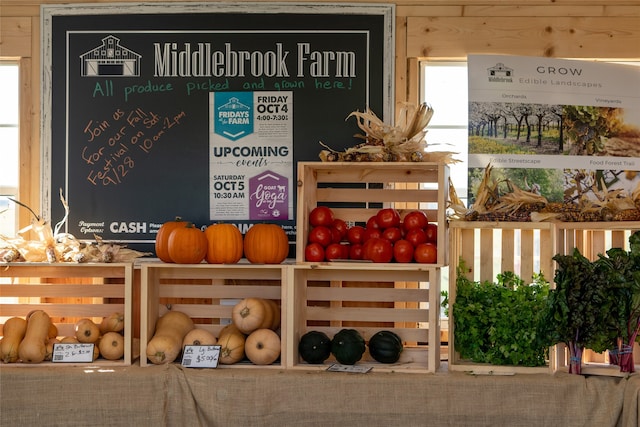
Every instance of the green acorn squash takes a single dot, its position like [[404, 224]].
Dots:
[[314, 347], [348, 346], [385, 347]]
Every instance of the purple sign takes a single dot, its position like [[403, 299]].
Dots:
[[269, 194]]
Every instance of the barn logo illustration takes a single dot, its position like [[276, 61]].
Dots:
[[233, 114], [500, 73], [110, 60]]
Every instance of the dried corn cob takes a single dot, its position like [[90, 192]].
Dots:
[[627, 215]]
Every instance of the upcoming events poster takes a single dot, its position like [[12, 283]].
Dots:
[[566, 129], [251, 156]]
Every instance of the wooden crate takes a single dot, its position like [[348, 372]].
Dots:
[[592, 239], [490, 248], [356, 191], [368, 298], [68, 292], [207, 293]]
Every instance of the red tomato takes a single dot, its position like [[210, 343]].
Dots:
[[371, 233], [392, 234], [403, 251], [426, 253], [378, 249], [416, 236], [431, 231], [321, 234], [414, 219], [372, 222], [314, 252], [334, 251], [388, 217], [321, 215], [335, 235], [355, 234], [356, 251], [341, 226], [346, 249]]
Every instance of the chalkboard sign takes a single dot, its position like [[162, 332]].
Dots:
[[200, 110]]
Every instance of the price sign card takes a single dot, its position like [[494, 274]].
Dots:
[[72, 352], [201, 356], [358, 369]]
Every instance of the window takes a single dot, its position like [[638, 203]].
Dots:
[[9, 146], [444, 87]]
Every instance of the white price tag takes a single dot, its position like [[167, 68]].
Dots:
[[358, 369], [201, 356], [72, 352]]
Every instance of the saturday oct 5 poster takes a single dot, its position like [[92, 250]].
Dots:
[[565, 129]]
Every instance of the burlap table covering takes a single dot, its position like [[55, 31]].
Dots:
[[176, 396]]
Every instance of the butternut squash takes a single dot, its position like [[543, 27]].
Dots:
[[87, 331], [166, 343], [275, 324], [231, 348], [249, 314], [53, 330], [14, 330], [262, 347], [33, 347], [112, 346], [50, 344], [199, 336], [112, 323]]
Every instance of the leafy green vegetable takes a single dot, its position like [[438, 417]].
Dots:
[[576, 307], [619, 270], [500, 323], [596, 305]]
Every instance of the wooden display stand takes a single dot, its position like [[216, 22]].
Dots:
[[355, 191], [490, 248], [67, 293], [207, 293], [367, 297]]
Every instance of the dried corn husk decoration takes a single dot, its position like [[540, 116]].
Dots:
[[517, 204], [52, 246], [517, 199], [458, 211], [404, 142]]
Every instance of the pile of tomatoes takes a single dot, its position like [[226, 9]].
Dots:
[[386, 237]]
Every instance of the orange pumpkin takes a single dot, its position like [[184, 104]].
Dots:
[[224, 244], [187, 245], [162, 238], [266, 244]]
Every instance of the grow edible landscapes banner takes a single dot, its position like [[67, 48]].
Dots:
[[565, 129]]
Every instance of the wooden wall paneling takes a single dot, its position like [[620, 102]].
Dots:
[[584, 37], [15, 36], [401, 81], [28, 144]]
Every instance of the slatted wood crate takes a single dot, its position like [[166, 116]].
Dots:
[[356, 191], [592, 239], [490, 248], [67, 293], [207, 293], [368, 298]]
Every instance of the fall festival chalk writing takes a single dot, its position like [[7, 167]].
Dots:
[[114, 144]]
